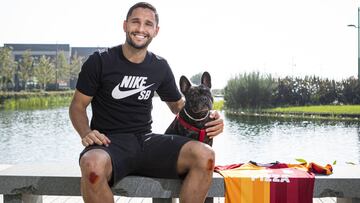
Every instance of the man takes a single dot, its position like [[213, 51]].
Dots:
[[120, 83]]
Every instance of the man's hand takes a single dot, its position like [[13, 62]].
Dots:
[[216, 126], [95, 137]]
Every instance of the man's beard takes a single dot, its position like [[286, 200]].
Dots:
[[134, 45]]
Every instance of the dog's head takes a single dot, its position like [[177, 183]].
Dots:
[[199, 100]]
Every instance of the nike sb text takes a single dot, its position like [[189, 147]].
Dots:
[[133, 81], [135, 84]]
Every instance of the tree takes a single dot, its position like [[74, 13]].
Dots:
[[233, 94], [75, 66], [62, 67], [44, 72], [26, 68], [196, 79], [7, 68], [350, 91]]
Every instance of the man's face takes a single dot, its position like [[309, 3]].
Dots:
[[140, 28]]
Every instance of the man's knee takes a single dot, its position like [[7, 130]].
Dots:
[[207, 158], [199, 155], [95, 166]]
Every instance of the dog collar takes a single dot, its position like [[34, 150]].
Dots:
[[196, 119], [202, 132]]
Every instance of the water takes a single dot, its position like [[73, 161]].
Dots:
[[265, 140], [44, 136]]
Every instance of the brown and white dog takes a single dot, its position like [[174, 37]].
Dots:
[[190, 121]]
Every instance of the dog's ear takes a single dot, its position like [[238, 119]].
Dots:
[[206, 79], [184, 84]]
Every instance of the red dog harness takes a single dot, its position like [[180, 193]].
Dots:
[[202, 132]]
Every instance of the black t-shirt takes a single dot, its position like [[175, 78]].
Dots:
[[122, 91]]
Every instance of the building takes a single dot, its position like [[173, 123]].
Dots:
[[51, 51], [84, 52], [38, 50]]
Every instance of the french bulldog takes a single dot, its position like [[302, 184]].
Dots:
[[190, 121]]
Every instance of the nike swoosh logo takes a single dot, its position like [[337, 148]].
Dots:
[[118, 94]]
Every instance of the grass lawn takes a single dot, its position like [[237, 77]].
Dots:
[[322, 109]]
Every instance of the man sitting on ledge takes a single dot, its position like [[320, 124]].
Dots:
[[120, 83]]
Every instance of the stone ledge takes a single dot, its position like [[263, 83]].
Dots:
[[51, 179]]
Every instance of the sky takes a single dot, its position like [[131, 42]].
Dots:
[[225, 38]]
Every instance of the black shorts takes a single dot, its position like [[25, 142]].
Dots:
[[153, 155]]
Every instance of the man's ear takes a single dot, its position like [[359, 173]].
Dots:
[[157, 31], [184, 84], [206, 79], [124, 25]]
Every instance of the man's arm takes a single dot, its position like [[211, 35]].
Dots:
[[175, 107], [80, 121]]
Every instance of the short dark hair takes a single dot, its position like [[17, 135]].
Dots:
[[143, 5]]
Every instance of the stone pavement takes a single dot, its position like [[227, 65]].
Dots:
[[118, 199]]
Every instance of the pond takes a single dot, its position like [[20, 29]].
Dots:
[[44, 136]]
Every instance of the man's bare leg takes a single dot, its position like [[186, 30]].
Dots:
[[197, 160], [96, 170]]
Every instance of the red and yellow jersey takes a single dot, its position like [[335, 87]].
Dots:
[[269, 183]]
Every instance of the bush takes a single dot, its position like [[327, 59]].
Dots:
[[255, 91], [252, 90]]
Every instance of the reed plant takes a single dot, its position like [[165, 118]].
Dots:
[[34, 100], [218, 105]]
